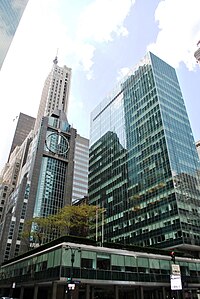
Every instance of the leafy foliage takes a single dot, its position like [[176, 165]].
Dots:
[[70, 220]]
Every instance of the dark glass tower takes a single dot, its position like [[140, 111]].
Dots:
[[143, 161]]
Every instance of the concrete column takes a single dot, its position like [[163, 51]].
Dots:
[[92, 292], [163, 293], [21, 293], [141, 292], [137, 293], [87, 291], [133, 293], [35, 291], [156, 294], [116, 291], [54, 290]]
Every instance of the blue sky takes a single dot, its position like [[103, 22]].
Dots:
[[100, 40]]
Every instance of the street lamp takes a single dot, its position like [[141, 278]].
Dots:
[[71, 284]]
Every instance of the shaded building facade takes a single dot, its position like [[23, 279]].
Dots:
[[25, 124], [155, 200]]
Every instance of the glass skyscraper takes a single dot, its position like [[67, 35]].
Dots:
[[143, 166], [10, 14]]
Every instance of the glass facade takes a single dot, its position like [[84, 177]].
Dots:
[[51, 186], [53, 171], [105, 266], [144, 166], [10, 15]]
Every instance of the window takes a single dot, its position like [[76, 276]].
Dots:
[[103, 263], [86, 263]]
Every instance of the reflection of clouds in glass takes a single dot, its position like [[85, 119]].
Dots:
[[118, 102], [109, 116], [10, 15], [19, 4], [4, 44]]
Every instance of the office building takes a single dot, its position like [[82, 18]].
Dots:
[[52, 167], [12, 178], [3, 195], [55, 94], [143, 165], [25, 124], [109, 272], [11, 13], [81, 161], [45, 183], [17, 155]]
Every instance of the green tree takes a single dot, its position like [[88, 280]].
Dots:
[[70, 220]]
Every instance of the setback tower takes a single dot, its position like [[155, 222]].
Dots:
[[55, 93]]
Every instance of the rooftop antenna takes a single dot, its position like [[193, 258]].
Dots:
[[55, 61]]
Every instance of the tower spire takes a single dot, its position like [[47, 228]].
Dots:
[[55, 61]]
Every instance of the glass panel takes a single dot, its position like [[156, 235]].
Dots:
[[88, 254], [130, 261], [103, 263], [164, 264], [57, 257], [50, 260], [192, 266], [66, 258], [42, 258], [86, 263], [117, 260], [143, 262], [154, 264]]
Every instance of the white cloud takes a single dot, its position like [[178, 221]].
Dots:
[[104, 18], [122, 73], [85, 53], [179, 31], [43, 29], [100, 21]]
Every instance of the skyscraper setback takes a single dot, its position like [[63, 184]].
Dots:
[[55, 94], [45, 160], [143, 165]]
